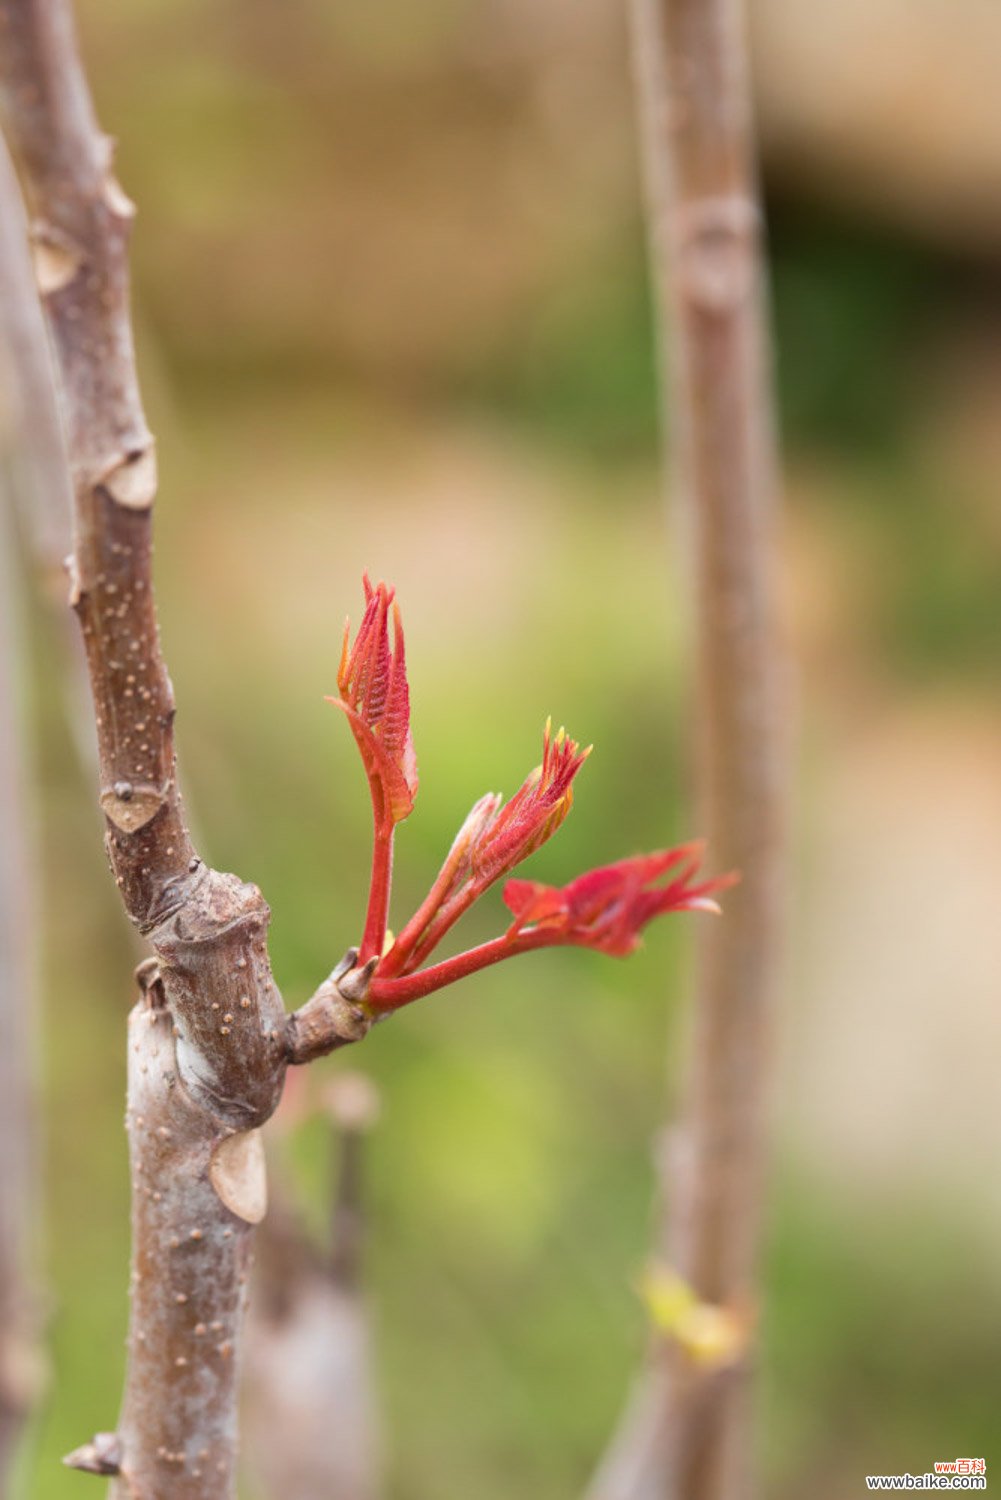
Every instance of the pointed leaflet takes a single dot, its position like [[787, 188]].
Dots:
[[607, 908], [493, 839], [372, 679], [604, 909], [535, 811]]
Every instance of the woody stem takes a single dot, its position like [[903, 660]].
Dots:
[[207, 1060]]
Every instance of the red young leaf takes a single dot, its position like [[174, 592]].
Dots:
[[606, 908], [533, 814], [372, 679], [493, 839]]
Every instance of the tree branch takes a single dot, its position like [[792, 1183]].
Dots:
[[692, 1441], [207, 1042], [40, 480], [80, 236]]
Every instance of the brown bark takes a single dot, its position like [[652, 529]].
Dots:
[[191, 1255], [39, 477], [207, 1051], [688, 1436], [80, 233]]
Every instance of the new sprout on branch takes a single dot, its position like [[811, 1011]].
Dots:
[[604, 908]]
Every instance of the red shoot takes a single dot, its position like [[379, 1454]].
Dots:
[[606, 908], [372, 679], [493, 839], [535, 811]]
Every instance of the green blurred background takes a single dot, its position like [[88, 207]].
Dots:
[[392, 312]]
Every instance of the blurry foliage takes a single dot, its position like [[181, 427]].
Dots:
[[934, 569], [861, 318], [879, 1341], [853, 310], [581, 370]]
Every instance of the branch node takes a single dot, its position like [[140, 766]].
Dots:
[[131, 479], [116, 198], [76, 595], [102, 1455], [238, 1173], [716, 240], [56, 259], [130, 805], [150, 981], [344, 965], [334, 1016], [354, 984]]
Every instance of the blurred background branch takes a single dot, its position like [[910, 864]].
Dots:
[[693, 1439], [31, 486], [310, 1407], [20, 1330]]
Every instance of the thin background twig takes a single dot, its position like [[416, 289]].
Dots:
[[688, 1434]]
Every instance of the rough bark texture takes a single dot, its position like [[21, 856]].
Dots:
[[205, 1066], [207, 1054], [80, 233], [331, 1018], [39, 474], [688, 1435], [189, 1278]]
